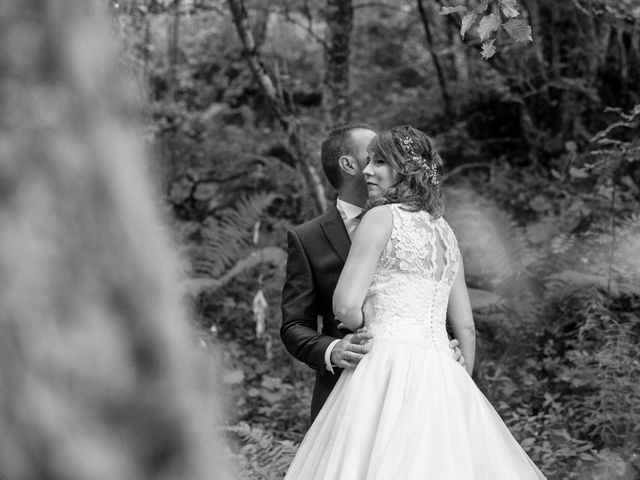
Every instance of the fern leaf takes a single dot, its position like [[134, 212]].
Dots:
[[262, 452], [228, 237]]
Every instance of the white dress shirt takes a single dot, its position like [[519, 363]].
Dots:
[[350, 215]]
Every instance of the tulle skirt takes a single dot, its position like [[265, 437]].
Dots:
[[409, 412]]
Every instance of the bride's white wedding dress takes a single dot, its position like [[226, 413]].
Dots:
[[409, 410]]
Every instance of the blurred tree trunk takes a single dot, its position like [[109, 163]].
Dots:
[[288, 120], [99, 375], [335, 94]]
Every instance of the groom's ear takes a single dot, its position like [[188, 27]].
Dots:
[[348, 164]]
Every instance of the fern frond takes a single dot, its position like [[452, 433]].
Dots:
[[607, 164], [631, 223], [562, 243], [262, 452], [247, 210], [227, 238]]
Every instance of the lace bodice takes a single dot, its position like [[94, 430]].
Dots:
[[408, 296]]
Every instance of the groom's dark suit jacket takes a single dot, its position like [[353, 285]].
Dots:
[[316, 251]]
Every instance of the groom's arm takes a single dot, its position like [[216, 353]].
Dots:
[[299, 330]]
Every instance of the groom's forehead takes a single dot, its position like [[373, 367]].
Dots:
[[362, 136]]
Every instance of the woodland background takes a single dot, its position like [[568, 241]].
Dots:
[[541, 148]]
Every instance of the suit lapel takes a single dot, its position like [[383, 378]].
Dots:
[[335, 231]]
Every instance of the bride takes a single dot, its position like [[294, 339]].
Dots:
[[408, 410]]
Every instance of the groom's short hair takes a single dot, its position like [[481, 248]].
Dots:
[[337, 144]]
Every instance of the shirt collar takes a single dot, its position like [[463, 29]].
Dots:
[[348, 210]]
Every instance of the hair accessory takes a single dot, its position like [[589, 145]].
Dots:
[[412, 156]]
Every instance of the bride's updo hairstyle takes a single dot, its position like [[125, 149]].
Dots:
[[413, 156]]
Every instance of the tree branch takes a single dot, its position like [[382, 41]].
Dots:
[[308, 28], [335, 98], [287, 120], [434, 58]]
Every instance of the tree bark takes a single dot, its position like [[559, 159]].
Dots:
[[434, 57], [287, 119], [173, 46], [335, 97], [99, 374]]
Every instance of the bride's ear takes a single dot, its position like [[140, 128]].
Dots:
[[348, 164]]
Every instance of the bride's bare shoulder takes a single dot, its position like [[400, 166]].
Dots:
[[376, 224]]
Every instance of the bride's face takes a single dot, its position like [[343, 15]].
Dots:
[[379, 176]]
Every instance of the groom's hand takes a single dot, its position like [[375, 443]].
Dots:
[[348, 352], [457, 353]]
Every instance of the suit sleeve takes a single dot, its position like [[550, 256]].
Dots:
[[300, 309]]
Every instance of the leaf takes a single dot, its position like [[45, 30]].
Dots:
[[253, 392], [272, 397], [509, 8], [578, 172], [180, 190], [236, 376], [480, 9], [206, 191], [271, 383], [488, 49], [571, 146], [540, 203], [467, 21], [450, 10], [519, 30], [527, 442], [587, 457], [488, 25], [256, 232]]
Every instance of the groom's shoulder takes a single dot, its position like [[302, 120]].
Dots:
[[308, 227], [313, 227]]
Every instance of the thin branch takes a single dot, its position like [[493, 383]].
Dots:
[[287, 120], [308, 27], [240, 19], [612, 227], [464, 167], [627, 122], [580, 7]]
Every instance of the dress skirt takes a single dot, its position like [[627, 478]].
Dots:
[[409, 411]]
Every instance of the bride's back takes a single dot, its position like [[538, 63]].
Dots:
[[408, 296]]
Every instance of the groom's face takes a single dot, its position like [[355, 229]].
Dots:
[[360, 139]]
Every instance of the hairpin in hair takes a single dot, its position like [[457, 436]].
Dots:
[[412, 156]]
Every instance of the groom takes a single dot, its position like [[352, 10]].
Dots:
[[317, 251]]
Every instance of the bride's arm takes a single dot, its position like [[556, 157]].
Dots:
[[369, 241], [461, 318]]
